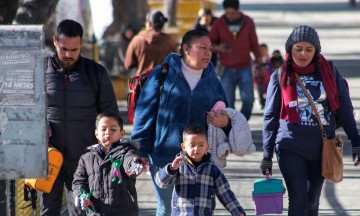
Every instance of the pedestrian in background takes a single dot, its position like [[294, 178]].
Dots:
[[276, 59], [234, 37], [163, 111], [194, 162], [290, 125], [204, 22], [150, 47], [262, 74], [127, 33], [77, 90]]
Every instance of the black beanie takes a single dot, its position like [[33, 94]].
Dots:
[[157, 19], [303, 33], [231, 4]]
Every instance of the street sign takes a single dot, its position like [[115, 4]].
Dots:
[[23, 131]]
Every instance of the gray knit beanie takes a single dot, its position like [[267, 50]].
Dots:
[[303, 33]]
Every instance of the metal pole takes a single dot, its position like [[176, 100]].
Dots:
[[3, 197], [11, 195]]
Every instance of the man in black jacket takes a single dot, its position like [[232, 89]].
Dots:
[[77, 90]]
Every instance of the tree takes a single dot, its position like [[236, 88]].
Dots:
[[127, 11], [170, 11]]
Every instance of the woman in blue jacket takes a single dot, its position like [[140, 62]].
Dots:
[[290, 125], [185, 98]]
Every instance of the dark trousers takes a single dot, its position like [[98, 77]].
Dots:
[[51, 203], [303, 182], [2, 197]]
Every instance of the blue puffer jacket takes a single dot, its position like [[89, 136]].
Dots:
[[73, 99], [159, 122]]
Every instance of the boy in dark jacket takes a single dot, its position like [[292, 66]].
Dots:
[[103, 182], [197, 179]]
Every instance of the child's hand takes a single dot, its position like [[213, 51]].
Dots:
[[84, 203], [176, 163], [241, 214]]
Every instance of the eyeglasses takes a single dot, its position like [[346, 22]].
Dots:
[[203, 48]]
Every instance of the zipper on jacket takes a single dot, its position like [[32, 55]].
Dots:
[[66, 82]]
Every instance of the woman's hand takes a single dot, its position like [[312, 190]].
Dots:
[[145, 161], [219, 119]]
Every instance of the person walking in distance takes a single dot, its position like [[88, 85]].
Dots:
[[234, 37], [77, 90], [150, 47]]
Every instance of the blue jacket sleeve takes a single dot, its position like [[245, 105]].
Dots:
[[146, 113], [271, 115], [346, 111]]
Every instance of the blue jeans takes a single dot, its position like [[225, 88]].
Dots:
[[303, 182], [243, 78], [163, 195]]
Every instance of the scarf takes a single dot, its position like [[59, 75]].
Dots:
[[289, 106]]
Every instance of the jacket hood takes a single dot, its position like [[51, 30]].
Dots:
[[154, 37]]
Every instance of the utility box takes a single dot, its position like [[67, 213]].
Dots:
[[23, 124]]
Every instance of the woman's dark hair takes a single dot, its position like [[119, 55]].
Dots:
[[205, 11], [109, 115], [157, 19], [69, 28], [189, 37]]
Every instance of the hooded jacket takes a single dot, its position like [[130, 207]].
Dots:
[[74, 98], [160, 120], [95, 172], [148, 49]]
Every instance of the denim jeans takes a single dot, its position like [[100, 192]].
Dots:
[[242, 78], [163, 195], [303, 182]]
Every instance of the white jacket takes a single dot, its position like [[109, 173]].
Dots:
[[239, 141]]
